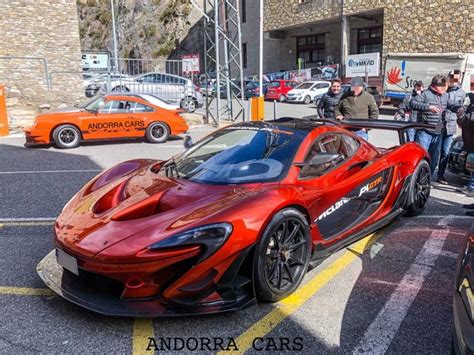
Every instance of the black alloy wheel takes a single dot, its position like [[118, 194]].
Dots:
[[283, 254]]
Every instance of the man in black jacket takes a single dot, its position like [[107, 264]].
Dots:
[[456, 96], [405, 113], [433, 103], [330, 100], [467, 125]]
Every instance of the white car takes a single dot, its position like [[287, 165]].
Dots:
[[169, 87], [307, 91]]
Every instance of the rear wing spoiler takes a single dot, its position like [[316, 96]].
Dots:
[[390, 125]]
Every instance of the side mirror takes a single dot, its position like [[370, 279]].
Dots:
[[187, 142], [319, 159]]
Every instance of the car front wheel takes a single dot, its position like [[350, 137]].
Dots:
[[420, 188], [307, 100], [66, 137], [282, 255]]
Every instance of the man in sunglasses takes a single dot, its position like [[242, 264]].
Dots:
[[456, 96]]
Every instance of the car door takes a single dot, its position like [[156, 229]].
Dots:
[[112, 120], [347, 190], [319, 88]]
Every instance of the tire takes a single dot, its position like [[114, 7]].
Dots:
[[317, 101], [279, 270], [189, 104], [419, 190], [157, 132], [66, 136], [120, 89], [282, 98], [307, 100]]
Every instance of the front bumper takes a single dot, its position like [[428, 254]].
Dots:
[[294, 98], [36, 137], [79, 291], [457, 163]]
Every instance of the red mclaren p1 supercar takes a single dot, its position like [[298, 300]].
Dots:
[[237, 217]]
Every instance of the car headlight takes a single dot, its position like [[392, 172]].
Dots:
[[211, 237], [458, 145]]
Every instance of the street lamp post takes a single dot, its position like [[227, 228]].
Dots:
[[260, 74], [114, 35]]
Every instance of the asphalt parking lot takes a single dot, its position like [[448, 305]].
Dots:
[[390, 292]]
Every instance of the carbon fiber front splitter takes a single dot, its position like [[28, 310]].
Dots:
[[71, 288]]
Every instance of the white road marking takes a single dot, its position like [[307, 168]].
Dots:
[[383, 329], [49, 171], [441, 216], [38, 219]]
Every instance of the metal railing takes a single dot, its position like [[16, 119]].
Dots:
[[42, 60]]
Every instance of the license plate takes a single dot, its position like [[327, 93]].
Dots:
[[67, 261]]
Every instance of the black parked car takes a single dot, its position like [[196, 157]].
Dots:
[[457, 158], [463, 303], [252, 89]]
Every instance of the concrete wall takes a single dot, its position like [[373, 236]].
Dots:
[[46, 29]]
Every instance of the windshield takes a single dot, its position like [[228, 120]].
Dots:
[[304, 86], [94, 103], [239, 154], [252, 85], [274, 84]]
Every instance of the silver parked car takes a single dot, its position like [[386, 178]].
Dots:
[[172, 88]]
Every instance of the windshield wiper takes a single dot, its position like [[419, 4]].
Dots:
[[171, 167]]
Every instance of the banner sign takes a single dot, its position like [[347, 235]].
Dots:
[[362, 64], [95, 61], [191, 64]]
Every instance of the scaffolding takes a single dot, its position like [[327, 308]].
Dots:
[[223, 60]]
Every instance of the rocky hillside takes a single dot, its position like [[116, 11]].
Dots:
[[146, 28]]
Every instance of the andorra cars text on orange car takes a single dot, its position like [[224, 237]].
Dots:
[[108, 117]]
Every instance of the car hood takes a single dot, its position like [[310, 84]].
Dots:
[[298, 91], [139, 203]]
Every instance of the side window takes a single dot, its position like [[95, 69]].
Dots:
[[118, 106], [142, 108], [351, 145], [329, 143]]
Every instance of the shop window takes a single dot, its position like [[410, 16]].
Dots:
[[311, 49], [369, 40]]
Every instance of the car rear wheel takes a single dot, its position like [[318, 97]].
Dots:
[[307, 100], [282, 98], [66, 137], [157, 132], [282, 256], [189, 104], [420, 188]]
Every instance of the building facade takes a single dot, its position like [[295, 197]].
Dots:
[[321, 32], [40, 54]]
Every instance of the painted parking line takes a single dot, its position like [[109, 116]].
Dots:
[[142, 331], [25, 291], [294, 302], [50, 171], [379, 335], [26, 222]]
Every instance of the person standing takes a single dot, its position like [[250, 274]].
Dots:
[[432, 103], [456, 96], [357, 104], [329, 101], [405, 113], [467, 125]]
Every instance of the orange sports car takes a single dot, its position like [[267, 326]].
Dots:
[[108, 117]]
